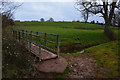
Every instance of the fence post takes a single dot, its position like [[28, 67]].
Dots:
[[45, 40], [30, 42], [37, 38], [58, 44], [19, 36]]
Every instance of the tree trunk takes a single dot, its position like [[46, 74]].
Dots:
[[108, 32], [119, 22]]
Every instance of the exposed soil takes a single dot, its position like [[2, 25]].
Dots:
[[57, 65], [82, 67]]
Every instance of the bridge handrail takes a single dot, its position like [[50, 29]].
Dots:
[[27, 35]]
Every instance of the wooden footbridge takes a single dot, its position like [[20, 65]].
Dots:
[[41, 46], [38, 42]]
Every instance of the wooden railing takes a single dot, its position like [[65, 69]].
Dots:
[[26, 36]]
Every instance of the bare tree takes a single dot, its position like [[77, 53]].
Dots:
[[85, 15], [84, 12], [113, 21], [105, 7], [117, 17], [7, 11]]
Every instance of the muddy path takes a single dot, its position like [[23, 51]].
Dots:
[[82, 67]]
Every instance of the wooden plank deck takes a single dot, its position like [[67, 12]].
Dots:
[[45, 55]]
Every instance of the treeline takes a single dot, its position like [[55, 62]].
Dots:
[[97, 22]]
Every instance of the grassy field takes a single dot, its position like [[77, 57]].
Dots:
[[70, 36], [107, 57], [74, 39]]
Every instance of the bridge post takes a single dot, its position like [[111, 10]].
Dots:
[[26, 40], [16, 34], [37, 38], [23, 36], [30, 32], [13, 33], [45, 40], [39, 44], [19, 35], [30, 42], [58, 44]]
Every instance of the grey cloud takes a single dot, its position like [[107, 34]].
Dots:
[[58, 10]]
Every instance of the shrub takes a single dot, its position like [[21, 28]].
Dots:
[[16, 60]]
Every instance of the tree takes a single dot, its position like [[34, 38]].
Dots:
[[7, 11], [93, 22], [97, 22], [113, 21], [42, 20], [104, 7], [51, 20], [84, 12], [117, 17], [85, 15]]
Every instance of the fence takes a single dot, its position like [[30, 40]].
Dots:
[[33, 37]]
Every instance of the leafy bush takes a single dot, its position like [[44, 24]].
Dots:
[[16, 60]]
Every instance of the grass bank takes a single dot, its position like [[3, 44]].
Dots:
[[107, 57]]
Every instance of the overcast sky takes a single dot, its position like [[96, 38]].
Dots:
[[59, 11]]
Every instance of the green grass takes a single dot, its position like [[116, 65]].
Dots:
[[64, 24], [68, 33], [107, 56], [70, 54]]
